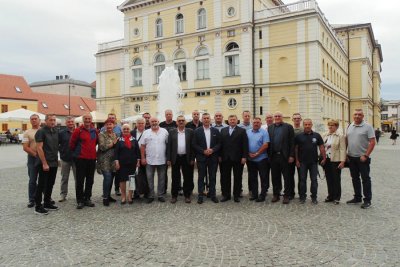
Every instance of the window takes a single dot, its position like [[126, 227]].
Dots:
[[81, 107], [202, 64], [202, 38], [137, 108], [4, 127], [232, 47], [203, 93], [201, 19], [159, 28], [4, 108], [261, 110], [232, 103], [24, 107], [159, 67], [231, 11], [44, 105], [260, 34], [179, 23], [66, 106], [261, 64], [323, 68], [261, 92], [232, 60], [136, 32], [18, 89], [232, 91], [137, 72], [181, 68], [384, 116]]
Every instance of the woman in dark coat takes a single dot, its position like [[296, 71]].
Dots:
[[394, 136], [127, 159]]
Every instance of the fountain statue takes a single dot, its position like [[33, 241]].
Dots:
[[169, 93]]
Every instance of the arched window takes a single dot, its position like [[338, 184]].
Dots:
[[179, 23], [180, 64], [159, 66], [137, 72], [202, 64], [159, 28], [201, 18], [232, 59]]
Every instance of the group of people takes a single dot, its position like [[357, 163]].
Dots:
[[275, 149]]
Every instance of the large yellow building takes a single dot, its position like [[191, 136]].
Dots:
[[235, 55]]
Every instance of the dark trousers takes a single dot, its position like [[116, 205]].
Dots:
[[279, 168], [292, 185], [358, 168], [33, 171], [84, 179], [333, 179], [208, 166], [45, 185], [226, 180], [181, 164], [312, 168], [259, 168], [221, 171]]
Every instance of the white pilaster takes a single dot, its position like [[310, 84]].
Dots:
[[246, 7], [217, 13], [147, 79], [216, 63], [245, 57], [191, 72], [301, 62], [145, 27], [314, 62]]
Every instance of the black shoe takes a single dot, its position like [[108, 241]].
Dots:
[[366, 205], [110, 199], [80, 206], [302, 201], [161, 199], [224, 199], [353, 201], [52, 202], [336, 202], [236, 199], [117, 193], [149, 200], [252, 198], [106, 202], [260, 199], [50, 207], [31, 204], [136, 197], [41, 211], [215, 200], [328, 200], [200, 201], [89, 203], [314, 201]]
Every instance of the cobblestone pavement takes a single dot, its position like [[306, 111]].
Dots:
[[224, 234]]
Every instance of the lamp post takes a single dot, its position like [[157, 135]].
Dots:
[[69, 95]]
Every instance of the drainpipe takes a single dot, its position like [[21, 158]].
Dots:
[[253, 61], [348, 72]]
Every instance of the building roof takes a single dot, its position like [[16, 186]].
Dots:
[[368, 26], [15, 87], [58, 104], [60, 81]]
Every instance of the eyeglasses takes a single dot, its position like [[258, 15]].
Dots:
[[181, 120], [126, 129]]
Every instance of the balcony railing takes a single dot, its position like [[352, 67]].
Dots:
[[110, 45], [292, 9]]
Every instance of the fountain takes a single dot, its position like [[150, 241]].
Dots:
[[170, 93]]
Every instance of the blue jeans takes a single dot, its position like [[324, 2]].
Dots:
[[209, 166], [358, 168], [33, 172], [107, 183], [313, 169]]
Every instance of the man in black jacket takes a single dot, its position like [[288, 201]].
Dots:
[[234, 150], [206, 144], [181, 156], [281, 154]]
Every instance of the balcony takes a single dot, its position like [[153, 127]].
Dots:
[[296, 9], [110, 45]]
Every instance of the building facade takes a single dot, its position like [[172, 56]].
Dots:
[[390, 110], [231, 55]]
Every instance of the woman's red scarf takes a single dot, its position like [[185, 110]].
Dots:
[[127, 139]]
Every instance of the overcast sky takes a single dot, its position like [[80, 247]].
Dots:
[[44, 38]]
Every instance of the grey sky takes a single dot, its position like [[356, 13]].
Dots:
[[44, 38]]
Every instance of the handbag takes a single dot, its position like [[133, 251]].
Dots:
[[132, 181]]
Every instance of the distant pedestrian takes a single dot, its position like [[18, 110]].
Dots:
[[394, 136], [377, 135], [360, 144]]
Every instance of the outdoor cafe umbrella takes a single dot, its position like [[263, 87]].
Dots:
[[96, 117], [19, 115]]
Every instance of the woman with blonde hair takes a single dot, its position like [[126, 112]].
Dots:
[[127, 159], [335, 147]]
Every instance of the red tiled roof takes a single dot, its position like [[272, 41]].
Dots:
[[55, 104], [8, 85]]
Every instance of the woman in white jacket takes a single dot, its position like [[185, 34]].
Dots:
[[335, 147]]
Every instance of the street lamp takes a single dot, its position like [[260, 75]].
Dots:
[[69, 95]]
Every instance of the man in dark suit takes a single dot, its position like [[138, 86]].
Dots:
[[281, 154], [234, 149], [181, 156], [206, 144]]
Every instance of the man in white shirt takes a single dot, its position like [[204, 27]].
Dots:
[[269, 120], [153, 154]]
